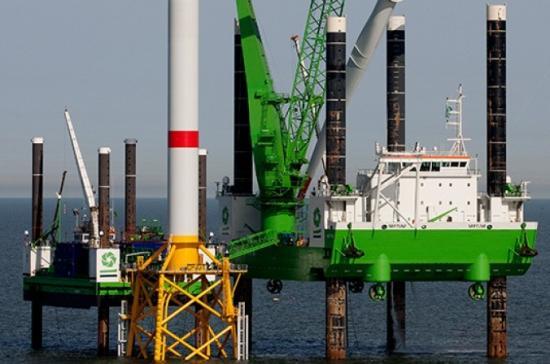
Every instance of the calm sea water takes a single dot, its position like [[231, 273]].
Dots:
[[444, 325]]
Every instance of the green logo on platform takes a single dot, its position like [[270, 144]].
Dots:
[[225, 215], [317, 217], [108, 259]]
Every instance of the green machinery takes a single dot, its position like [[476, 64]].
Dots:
[[281, 127]]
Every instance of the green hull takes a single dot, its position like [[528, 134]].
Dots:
[[73, 292], [406, 255]]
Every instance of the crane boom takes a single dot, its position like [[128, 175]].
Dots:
[[56, 216], [277, 180], [308, 91], [84, 180], [281, 127]]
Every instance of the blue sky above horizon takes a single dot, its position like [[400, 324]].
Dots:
[[106, 61]]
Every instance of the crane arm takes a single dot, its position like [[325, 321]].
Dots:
[[56, 215], [84, 179], [280, 139], [82, 171], [53, 233], [266, 130]]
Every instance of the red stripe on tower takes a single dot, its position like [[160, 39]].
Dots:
[[183, 139]]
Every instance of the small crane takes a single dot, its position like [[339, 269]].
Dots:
[[85, 182], [54, 233]]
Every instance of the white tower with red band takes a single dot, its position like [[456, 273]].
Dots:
[[183, 134]]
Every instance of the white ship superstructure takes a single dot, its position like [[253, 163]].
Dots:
[[417, 189]]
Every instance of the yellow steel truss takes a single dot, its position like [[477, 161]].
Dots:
[[164, 299]]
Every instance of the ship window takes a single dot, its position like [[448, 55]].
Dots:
[[440, 202], [422, 185], [454, 164], [450, 202], [436, 166], [468, 185], [450, 185], [425, 167], [445, 164], [468, 202], [463, 164], [422, 202], [440, 185]]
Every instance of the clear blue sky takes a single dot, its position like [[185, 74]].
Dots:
[[106, 60]]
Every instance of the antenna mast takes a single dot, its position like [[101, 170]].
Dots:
[[453, 117]]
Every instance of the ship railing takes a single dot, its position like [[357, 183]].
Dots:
[[366, 172]]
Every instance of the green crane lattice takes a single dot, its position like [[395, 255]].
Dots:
[[308, 92]]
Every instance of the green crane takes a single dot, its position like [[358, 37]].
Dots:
[[281, 127], [53, 235]]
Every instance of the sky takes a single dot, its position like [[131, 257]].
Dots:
[[106, 60]]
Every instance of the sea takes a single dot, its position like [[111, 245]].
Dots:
[[443, 324]]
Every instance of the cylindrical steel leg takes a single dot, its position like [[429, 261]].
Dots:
[[104, 197], [130, 189], [496, 99], [395, 78], [104, 228], [36, 232], [395, 316], [395, 99], [336, 295], [336, 325], [242, 146], [496, 318], [37, 186], [336, 101], [102, 326], [36, 324]]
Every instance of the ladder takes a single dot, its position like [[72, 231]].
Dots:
[[242, 333]]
